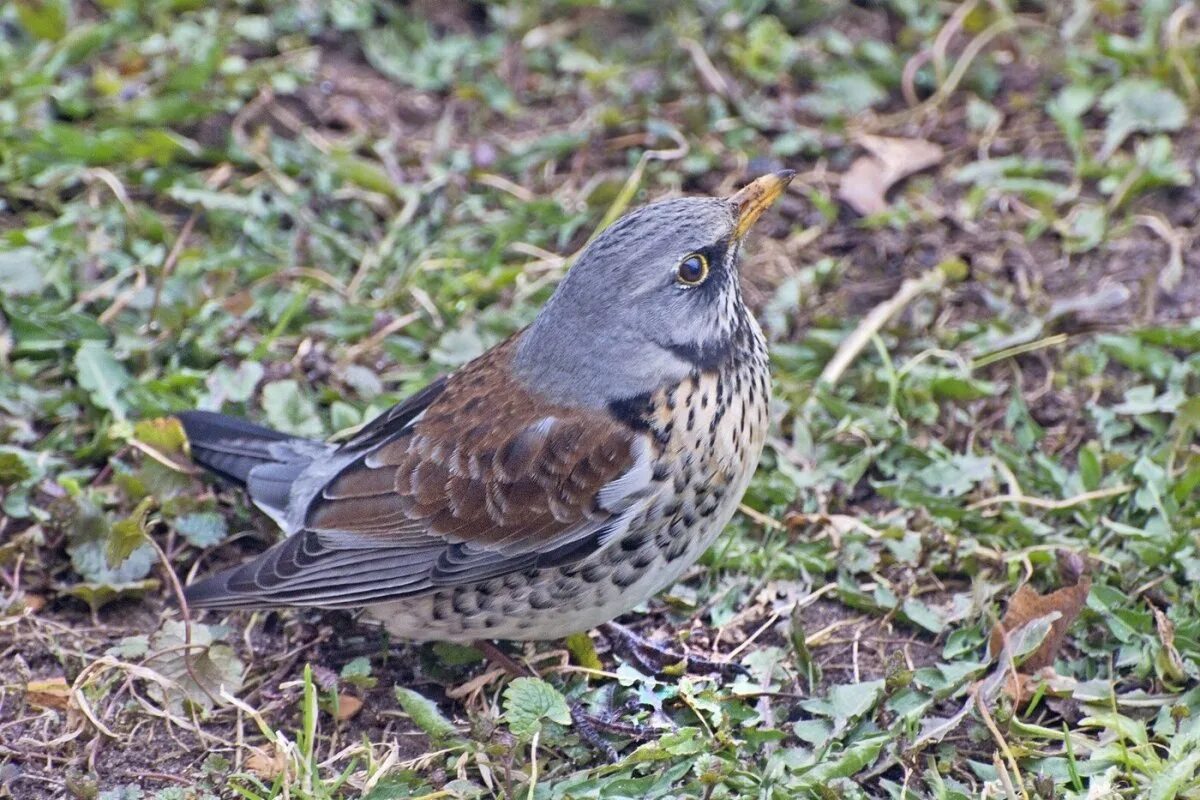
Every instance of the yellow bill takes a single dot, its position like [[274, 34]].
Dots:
[[757, 197]]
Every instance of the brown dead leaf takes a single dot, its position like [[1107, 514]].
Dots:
[[49, 693], [1071, 566], [34, 602], [238, 303], [267, 766], [865, 185], [1169, 660], [1027, 605], [347, 706]]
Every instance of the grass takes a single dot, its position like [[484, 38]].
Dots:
[[986, 377]]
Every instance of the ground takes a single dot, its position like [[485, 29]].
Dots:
[[301, 213]]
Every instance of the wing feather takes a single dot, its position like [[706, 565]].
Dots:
[[472, 479]]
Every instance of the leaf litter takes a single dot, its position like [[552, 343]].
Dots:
[[948, 479]]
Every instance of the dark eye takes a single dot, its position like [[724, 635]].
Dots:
[[692, 270]]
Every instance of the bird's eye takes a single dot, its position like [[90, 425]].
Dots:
[[692, 270]]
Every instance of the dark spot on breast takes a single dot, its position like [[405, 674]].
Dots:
[[593, 573], [626, 575], [634, 541], [677, 547], [463, 603], [642, 559]]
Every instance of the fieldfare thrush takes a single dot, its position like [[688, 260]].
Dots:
[[555, 482]]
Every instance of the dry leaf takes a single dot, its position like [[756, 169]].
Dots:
[[347, 706], [49, 693], [267, 766], [238, 303], [34, 602], [1170, 661], [1027, 605], [866, 183], [1071, 566]]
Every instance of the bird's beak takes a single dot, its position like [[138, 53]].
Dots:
[[750, 203]]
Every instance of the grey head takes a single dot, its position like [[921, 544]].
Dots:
[[655, 296]]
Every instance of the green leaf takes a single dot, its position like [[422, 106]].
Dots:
[[856, 757], [921, 614], [846, 703], [1178, 775], [844, 94], [1029, 637], [945, 386], [1125, 728], [13, 468], [98, 595], [343, 416], [1139, 105], [45, 19], [112, 145], [357, 672], [198, 670], [164, 434], [202, 528], [39, 330], [290, 410], [451, 654], [1090, 470], [226, 384], [805, 664], [956, 475], [129, 534], [528, 701], [102, 376], [583, 651], [425, 714], [766, 50], [20, 272], [130, 647], [87, 542], [1083, 228]]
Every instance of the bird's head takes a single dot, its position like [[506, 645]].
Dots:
[[653, 297]]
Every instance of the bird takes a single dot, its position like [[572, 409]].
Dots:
[[548, 486]]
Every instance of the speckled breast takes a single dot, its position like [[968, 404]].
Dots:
[[708, 433]]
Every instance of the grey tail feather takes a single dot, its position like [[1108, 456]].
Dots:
[[228, 446], [211, 592], [217, 592], [264, 462], [233, 449]]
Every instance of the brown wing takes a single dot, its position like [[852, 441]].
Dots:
[[487, 480]]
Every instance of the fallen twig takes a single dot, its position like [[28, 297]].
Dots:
[[910, 290]]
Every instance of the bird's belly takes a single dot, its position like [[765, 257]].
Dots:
[[714, 438]]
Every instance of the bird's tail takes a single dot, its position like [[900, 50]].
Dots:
[[268, 465], [266, 462], [228, 446]]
